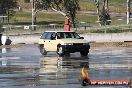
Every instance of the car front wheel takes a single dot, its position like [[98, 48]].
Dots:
[[59, 51], [42, 50]]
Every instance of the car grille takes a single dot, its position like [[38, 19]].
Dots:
[[77, 44]]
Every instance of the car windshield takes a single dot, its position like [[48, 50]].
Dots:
[[61, 35], [48, 35]]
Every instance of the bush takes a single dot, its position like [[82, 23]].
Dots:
[[104, 17]]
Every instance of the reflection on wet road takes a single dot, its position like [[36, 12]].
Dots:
[[25, 67]]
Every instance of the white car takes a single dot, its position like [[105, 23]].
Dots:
[[63, 42]]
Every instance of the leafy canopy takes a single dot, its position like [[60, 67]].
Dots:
[[7, 6], [69, 7]]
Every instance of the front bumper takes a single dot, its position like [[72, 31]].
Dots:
[[75, 48]]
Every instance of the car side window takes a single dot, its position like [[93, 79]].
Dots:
[[76, 35], [60, 35], [68, 35], [72, 35], [53, 36]]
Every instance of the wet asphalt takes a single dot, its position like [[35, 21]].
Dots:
[[25, 67]]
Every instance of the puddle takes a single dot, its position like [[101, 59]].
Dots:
[[23, 67]]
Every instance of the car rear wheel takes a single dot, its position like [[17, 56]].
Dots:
[[84, 53], [42, 50]]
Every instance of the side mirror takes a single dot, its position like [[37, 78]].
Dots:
[[81, 38]]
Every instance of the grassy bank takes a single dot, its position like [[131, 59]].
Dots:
[[26, 18], [114, 5], [85, 5], [46, 18], [82, 20], [89, 5]]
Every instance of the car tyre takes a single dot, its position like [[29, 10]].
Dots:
[[60, 50], [42, 50]]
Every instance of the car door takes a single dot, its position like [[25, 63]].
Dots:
[[53, 42], [47, 40]]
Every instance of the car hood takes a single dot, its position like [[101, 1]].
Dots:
[[70, 40]]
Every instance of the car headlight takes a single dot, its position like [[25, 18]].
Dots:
[[85, 43], [68, 43]]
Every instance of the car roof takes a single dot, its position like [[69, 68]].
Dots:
[[59, 31]]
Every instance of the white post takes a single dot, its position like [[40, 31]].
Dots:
[[33, 13], [97, 5], [106, 4], [128, 11]]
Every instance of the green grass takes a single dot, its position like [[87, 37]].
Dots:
[[25, 17], [43, 18], [86, 5], [47, 18]]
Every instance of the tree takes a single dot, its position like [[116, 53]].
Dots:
[[69, 7], [7, 6], [104, 17]]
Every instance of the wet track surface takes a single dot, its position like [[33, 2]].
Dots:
[[25, 67]]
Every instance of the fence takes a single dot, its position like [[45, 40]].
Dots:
[[85, 28]]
